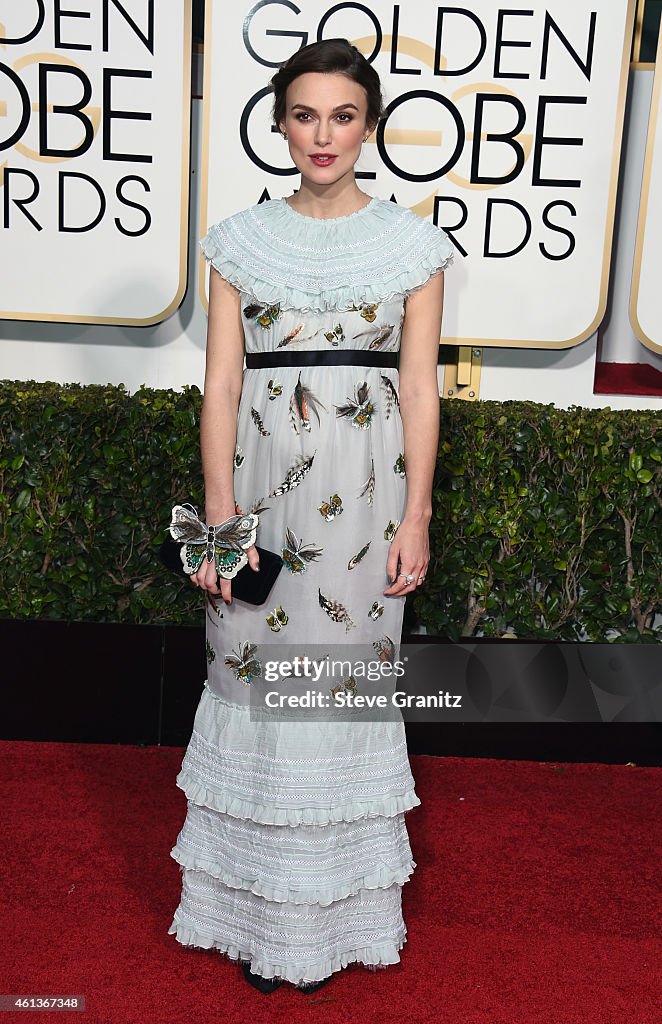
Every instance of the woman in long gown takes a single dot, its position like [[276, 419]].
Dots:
[[294, 848]]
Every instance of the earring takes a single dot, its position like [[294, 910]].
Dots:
[[285, 135]]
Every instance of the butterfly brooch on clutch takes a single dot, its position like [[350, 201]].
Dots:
[[225, 544]]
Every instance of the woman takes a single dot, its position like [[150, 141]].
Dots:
[[294, 849]]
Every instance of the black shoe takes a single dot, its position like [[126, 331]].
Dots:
[[257, 981], [313, 985]]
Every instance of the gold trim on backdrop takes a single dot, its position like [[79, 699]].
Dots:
[[638, 31], [157, 318], [462, 379], [642, 65], [643, 205]]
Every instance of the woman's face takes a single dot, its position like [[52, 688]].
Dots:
[[325, 121]]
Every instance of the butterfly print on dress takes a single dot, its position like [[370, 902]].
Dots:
[[335, 336], [277, 619], [347, 686], [296, 554], [242, 663], [367, 310], [391, 529], [331, 508], [360, 409], [265, 315], [385, 648]]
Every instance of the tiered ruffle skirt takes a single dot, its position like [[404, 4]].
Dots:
[[294, 849]]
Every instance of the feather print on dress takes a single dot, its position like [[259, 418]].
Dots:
[[335, 610], [360, 408], [211, 603], [355, 559], [380, 335], [369, 486], [294, 476], [302, 403], [290, 337], [257, 508], [391, 395], [257, 420]]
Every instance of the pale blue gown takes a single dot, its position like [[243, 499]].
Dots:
[[294, 849]]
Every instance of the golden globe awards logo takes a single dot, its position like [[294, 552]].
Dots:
[[503, 126], [497, 122], [66, 102], [94, 111]]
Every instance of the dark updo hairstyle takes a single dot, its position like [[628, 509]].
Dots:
[[328, 56]]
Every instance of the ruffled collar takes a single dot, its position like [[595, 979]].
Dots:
[[278, 255]]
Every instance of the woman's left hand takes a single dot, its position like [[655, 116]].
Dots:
[[409, 555]]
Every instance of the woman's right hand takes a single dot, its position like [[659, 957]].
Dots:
[[206, 576]]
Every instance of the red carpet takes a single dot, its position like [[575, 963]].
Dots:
[[627, 379], [537, 898]]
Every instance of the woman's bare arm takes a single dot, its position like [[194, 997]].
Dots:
[[419, 408], [218, 420]]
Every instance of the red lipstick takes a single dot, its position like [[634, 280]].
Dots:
[[323, 159]]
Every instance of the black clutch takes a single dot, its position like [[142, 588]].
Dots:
[[255, 587], [248, 585]]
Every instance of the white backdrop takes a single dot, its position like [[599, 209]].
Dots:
[[94, 159], [171, 353], [477, 98]]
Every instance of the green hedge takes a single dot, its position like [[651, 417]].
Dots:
[[546, 521]]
